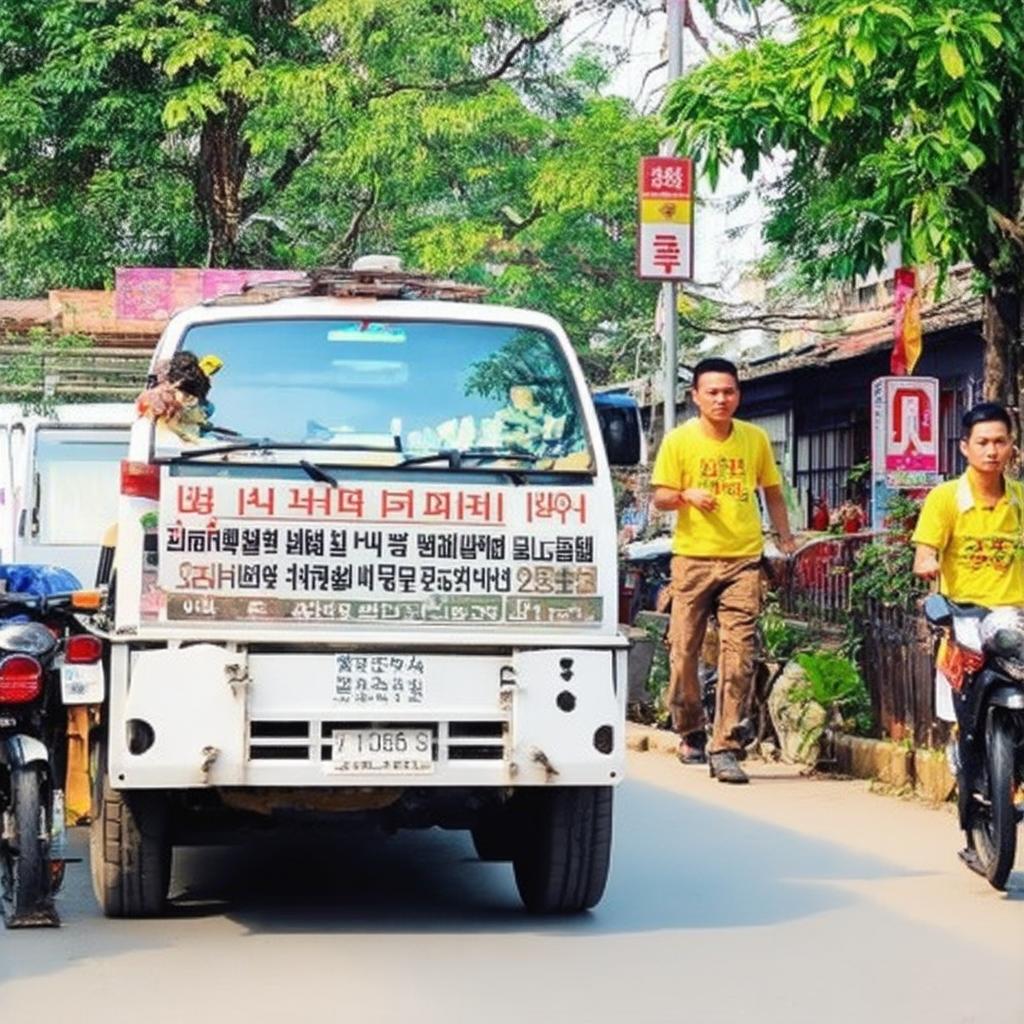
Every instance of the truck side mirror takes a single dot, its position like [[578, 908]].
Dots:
[[621, 429]]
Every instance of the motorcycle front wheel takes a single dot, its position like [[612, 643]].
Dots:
[[995, 834], [27, 899]]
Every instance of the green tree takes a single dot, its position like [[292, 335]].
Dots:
[[301, 132], [901, 122]]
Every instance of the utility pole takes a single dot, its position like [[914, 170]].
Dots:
[[676, 11]]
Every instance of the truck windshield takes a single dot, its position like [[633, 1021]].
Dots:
[[77, 483], [403, 388]]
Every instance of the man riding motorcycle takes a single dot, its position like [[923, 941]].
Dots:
[[969, 538]]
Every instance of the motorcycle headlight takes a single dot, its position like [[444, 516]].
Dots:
[[1002, 636]]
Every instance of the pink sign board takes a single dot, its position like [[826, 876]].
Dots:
[[156, 293], [906, 431]]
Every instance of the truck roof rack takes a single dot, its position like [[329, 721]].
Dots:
[[340, 282]]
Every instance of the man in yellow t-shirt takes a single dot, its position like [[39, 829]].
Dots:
[[708, 470], [969, 538], [968, 534]]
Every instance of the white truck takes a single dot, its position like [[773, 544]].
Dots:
[[381, 582], [59, 483]]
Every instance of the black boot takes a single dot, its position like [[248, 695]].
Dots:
[[726, 768]]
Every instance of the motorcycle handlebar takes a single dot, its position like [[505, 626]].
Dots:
[[41, 603]]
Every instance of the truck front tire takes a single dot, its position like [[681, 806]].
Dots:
[[129, 849], [563, 850]]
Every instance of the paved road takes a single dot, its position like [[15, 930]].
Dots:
[[791, 900]]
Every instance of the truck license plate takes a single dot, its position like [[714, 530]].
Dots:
[[382, 751]]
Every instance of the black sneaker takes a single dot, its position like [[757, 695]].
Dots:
[[691, 748], [726, 768]]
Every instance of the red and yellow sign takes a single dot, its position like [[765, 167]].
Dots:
[[665, 238]]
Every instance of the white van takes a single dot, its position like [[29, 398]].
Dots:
[[384, 585], [59, 483]]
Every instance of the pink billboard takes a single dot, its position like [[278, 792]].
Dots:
[[156, 293]]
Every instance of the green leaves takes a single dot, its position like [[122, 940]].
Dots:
[[893, 117], [951, 60], [865, 49], [458, 135]]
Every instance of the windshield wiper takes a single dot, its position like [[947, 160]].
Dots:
[[316, 473], [455, 456], [266, 444]]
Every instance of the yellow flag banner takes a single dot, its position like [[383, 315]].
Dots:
[[908, 341]]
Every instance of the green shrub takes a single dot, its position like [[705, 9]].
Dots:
[[835, 683], [780, 639]]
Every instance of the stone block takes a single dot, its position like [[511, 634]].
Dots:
[[857, 757], [933, 780], [894, 765]]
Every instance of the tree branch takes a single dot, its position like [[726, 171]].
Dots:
[[517, 223], [1008, 226], [342, 249], [280, 179], [525, 43]]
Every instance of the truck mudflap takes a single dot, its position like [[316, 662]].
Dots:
[[210, 716]]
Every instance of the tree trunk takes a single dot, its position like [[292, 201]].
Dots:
[[223, 160], [1001, 312]]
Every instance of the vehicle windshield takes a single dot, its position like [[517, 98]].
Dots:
[[77, 483], [390, 391]]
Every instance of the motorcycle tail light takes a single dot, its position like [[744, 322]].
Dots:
[[21, 679], [140, 480], [83, 650]]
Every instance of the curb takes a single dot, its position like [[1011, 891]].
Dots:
[[895, 766]]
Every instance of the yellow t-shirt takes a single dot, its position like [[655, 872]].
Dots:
[[732, 470], [980, 552]]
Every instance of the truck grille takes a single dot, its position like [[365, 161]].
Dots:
[[303, 740]]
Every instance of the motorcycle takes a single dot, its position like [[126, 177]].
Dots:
[[646, 571], [45, 664], [982, 657]]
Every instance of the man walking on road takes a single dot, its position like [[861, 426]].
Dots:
[[707, 471]]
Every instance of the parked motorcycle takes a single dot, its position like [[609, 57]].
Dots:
[[983, 658], [646, 569], [45, 664]]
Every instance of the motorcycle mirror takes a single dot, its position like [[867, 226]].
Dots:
[[937, 610]]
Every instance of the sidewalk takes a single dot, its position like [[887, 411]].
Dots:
[[921, 839], [892, 767]]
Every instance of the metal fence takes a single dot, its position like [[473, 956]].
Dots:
[[896, 662], [895, 652], [815, 583], [83, 374]]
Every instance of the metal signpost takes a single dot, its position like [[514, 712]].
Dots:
[[661, 236]]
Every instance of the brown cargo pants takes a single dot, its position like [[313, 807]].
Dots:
[[731, 587]]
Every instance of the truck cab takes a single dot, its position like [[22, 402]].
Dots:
[[373, 575], [59, 483]]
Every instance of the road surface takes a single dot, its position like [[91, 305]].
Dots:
[[789, 900]]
